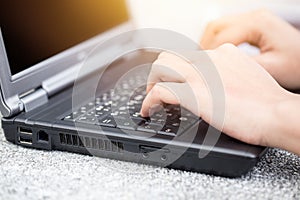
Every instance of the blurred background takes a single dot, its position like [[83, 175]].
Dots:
[[190, 17]]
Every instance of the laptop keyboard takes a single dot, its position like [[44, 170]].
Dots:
[[120, 107]]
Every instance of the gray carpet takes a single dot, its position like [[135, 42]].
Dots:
[[34, 174]]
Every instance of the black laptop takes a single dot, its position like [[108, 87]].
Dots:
[[46, 102]]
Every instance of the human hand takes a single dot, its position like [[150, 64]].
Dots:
[[251, 94], [278, 41]]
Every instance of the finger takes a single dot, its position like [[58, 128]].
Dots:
[[163, 73], [231, 30], [170, 93], [158, 95], [168, 68], [211, 31], [236, 35]]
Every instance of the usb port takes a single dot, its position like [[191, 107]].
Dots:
[[26, 131], [24, 140]]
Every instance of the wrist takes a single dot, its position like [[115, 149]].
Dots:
[[286, 118]]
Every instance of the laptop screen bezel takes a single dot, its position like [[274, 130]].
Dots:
[[12, 86]]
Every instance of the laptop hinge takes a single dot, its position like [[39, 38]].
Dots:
[[34, 99]]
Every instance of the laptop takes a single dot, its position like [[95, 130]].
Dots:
[[45, 103]]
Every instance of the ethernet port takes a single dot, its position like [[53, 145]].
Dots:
[[43, 136]]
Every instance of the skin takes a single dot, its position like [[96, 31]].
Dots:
[[258, 110], [278, 41]]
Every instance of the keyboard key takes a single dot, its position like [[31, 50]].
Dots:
[[120, 108], [87, 119], [149, 127], [136, 114], [107, 121], [139, 120], [134, 102], [188, 114], [125, 124], [70, 117], [139, 97], [169, 130]]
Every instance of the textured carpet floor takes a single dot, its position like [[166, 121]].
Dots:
[[34, 174]]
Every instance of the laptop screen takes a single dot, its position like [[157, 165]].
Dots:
[[34, 30]]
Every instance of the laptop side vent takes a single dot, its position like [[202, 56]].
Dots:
[[90, 142]]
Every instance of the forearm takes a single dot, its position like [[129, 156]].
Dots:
[[287, 135]]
